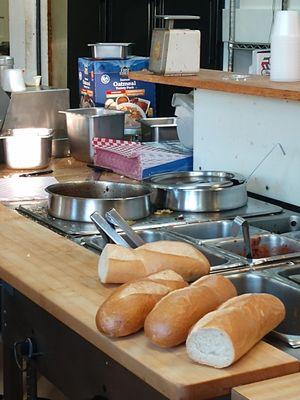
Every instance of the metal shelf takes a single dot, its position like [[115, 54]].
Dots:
[[233, 45], [251, 46]]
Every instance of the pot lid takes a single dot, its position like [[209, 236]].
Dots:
[[195, 180]]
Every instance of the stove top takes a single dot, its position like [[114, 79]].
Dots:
[[38, 212]]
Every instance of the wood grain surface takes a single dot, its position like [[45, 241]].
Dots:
[[226, 82], [68, 169], [62, 278], [283, 388]]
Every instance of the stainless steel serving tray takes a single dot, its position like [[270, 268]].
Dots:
[[111, 50], [209, 232], [271, 281], [276, 248], [218, 261]]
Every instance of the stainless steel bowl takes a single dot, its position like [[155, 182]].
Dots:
[[76, 201], [199, 191], [27, 148]]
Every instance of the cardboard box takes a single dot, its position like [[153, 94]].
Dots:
[[105, 83]]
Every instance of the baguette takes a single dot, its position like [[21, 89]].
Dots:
[[225, 335], [169, 322], [118, 264], [124, 312]]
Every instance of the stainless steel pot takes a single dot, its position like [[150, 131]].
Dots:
[[28, 148], [110, 50], [203, 191], [83, 124], [76, 201]]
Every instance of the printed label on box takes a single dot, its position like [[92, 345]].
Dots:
[[105, 83]]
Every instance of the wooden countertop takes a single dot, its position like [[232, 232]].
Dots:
[[61, 277], [225, 82], [283, 388], [68, 169]]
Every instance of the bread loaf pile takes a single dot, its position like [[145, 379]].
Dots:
[[124, 312], [218, 326], [118, 264]]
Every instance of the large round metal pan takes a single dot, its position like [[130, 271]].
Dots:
[[203, 191], [76, 201]]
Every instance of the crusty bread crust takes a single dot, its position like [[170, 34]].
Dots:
[[120, 265], [222, 286], [124, 312], [169, 322], [240, 322]]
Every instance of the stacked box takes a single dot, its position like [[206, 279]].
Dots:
[[106, 83]]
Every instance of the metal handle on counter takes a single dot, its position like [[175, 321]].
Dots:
[[238, 223], [103, 226], [115, 218]]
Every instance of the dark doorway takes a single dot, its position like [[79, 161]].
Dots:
[[133, 21]]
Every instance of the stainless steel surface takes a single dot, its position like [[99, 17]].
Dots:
[[292, 273], [107, 231], [254, 282], [113, 217], [203, 191], [265, 248], [39, 108], [38, 211], [280, 224], [76, 201], [84, 124], [170, 19], [231, 41], [60, 147], [6, 62], [28, 148], [111, 50], [217, 261], [240, 222], [293, 235], [208, 232], [158, 129]]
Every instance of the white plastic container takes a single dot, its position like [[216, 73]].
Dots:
[[285, 47], [184, 112]]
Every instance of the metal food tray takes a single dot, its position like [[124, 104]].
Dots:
[[218, 261], [209, 232], [38, 211], [273, 281], [269, 242]]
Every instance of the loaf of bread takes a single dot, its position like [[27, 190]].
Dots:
[[124, 312], [118, 264], [225, 335], [169, 322]]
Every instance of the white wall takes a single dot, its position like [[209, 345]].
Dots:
[[22, 23]]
